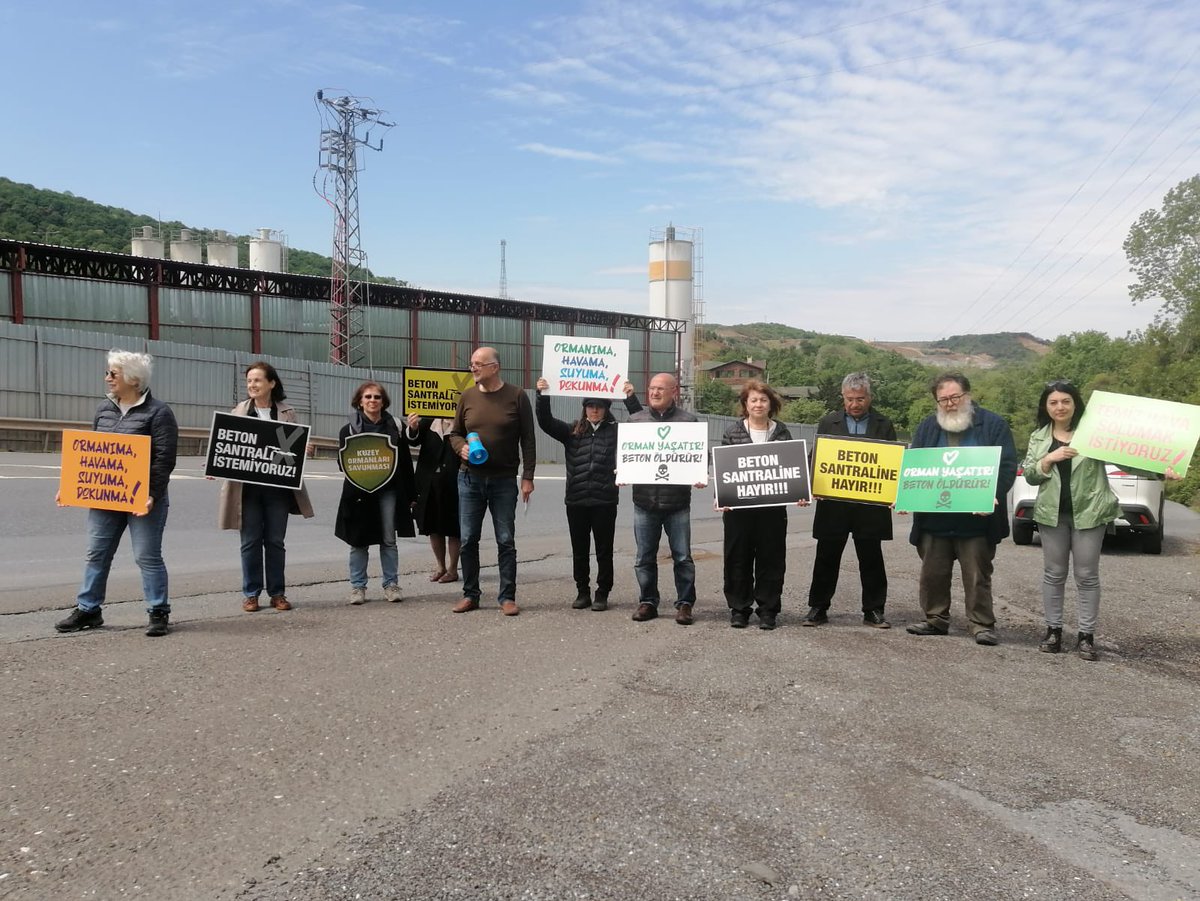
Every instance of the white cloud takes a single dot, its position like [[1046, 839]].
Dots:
[[567, 153]]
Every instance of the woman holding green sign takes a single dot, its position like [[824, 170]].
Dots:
[[372, 513], [1074, 506]]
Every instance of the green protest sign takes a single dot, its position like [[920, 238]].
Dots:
[[1138, 432], [948, 480], [368, 460]]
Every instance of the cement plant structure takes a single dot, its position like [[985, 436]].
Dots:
[[277, 315]]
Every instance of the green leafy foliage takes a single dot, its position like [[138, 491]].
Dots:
[[716, 398]]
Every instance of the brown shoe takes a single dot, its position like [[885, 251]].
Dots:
[[509, 608], [250, 605], [644, 612], [465, 606], [279, 602], [683, 615]]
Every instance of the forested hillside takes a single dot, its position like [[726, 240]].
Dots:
[[59, 217]]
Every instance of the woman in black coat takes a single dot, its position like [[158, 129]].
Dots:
[[755, 537], [375, 517], [436, 510], [591, 495]]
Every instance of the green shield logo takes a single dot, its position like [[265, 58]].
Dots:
[[368, 460]]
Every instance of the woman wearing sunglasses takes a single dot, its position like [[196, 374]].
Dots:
[[367, 517]]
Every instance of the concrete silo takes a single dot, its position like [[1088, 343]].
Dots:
[[147, 242], [673, 293], [185, 246], [267, 251], [222, 249]]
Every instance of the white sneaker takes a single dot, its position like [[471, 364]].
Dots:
[[393, 593], [358, 596]]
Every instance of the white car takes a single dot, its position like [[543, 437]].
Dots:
[[1141, 502]]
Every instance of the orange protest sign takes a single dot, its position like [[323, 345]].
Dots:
[[105, 471]]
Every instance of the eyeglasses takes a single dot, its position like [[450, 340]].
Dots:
[[112, 373], [372, 397], [950, 399], [481, 365]]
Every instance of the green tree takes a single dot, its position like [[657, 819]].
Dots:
[[715, 397], [1163, 249]]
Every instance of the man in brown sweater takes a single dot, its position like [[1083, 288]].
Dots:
[[503, 417]]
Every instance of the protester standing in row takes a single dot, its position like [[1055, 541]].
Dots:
[[755, 537], [501, 415], [663, 508], [365, 518], [969, 538], [1074, 506], [260, 512], [835, 521], [436, 510], [591, 495], [130, 409]]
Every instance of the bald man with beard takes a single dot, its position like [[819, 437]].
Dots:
[[969, 538]]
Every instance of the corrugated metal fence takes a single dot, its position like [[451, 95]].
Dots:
[[57, 374]]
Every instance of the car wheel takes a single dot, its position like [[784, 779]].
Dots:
[[1022, 531]]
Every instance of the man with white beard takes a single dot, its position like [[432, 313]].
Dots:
[[969, 538]]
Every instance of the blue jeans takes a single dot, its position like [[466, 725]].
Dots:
[[648, 526], [476, 495], [389, 557], [264, 526], [105, 528]]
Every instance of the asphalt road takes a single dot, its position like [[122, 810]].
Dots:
[[400, 751]]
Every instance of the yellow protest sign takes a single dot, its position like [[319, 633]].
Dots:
[[434, 392], [104, 471], [856, 469]]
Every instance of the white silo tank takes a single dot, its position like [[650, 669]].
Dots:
[[266, 251], [185, 246], [222, 249], [671, 291], [147, 242]]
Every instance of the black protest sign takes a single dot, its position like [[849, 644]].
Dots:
[[761, 475], [255, 450]]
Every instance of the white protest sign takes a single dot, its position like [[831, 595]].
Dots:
[[662, 453], [585, 367]]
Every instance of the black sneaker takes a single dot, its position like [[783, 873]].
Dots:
[[766, 621], [582, 601], [874, 618], [924, 629], [158, 623], [739, 619], [1086, 649], [601, 600], [80, 620], [815, 617]]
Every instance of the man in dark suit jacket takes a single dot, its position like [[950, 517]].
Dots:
[[835, 521]]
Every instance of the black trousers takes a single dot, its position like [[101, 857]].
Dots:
[[755, 558], [871, 572], [586, 523]]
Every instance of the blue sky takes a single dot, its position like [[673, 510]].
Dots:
[[896, 169]]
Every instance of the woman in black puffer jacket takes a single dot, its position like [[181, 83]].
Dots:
[[591, 495], [755, 537]]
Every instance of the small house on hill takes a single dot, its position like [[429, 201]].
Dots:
[[733, 373]]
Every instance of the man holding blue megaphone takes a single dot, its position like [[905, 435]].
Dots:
[[493, 436]]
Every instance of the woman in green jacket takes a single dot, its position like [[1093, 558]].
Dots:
[[1071, 523]]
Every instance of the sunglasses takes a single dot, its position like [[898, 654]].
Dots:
[[372, 397], [112, 373]]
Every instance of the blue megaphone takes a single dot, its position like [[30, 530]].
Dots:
[[476, 452]]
